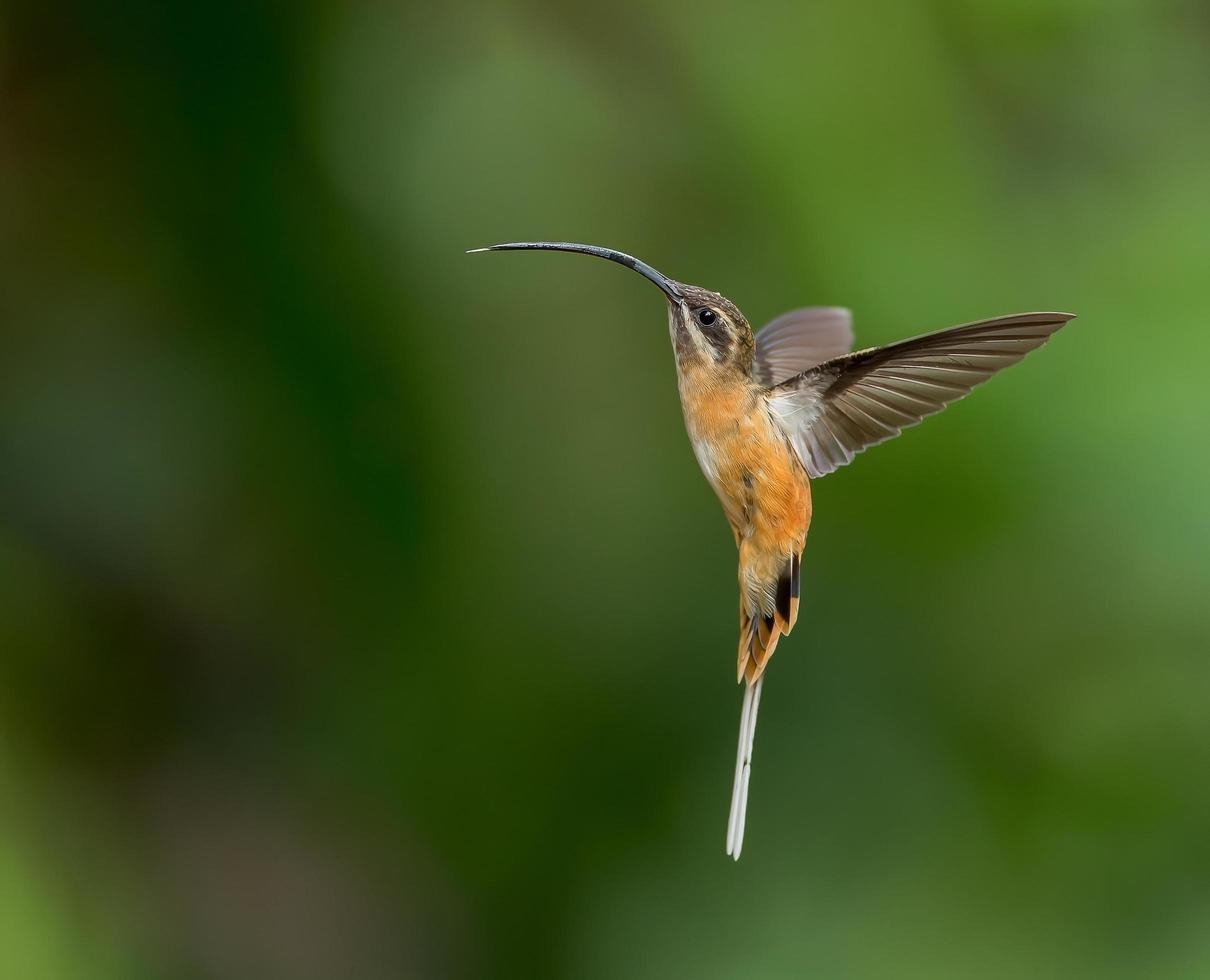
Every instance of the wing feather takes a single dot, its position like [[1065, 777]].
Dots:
[[837, 408], [800, 339]]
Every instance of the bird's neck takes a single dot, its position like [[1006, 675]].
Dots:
[[703, 374], [714, 394]]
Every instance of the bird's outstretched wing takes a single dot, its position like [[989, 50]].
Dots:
[[800, 339], [840, 407]]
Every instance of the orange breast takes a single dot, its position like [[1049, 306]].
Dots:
[[759, 480]]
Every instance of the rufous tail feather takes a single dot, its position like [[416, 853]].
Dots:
[[758, 636], [759, 631]]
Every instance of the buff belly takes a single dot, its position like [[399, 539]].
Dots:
[[764, 491]]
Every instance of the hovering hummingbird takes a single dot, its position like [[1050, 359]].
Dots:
[[769, 412]]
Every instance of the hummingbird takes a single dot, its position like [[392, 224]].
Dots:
[[769, 411]]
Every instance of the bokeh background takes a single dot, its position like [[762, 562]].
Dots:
[[362, 610]]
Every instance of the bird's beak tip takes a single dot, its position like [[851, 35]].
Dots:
[[472, 251]]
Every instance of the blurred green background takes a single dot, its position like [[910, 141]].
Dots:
[[362, 610]]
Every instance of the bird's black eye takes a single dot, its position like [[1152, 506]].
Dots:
[[706, 317]]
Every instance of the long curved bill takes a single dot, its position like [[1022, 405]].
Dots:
[[670, 287]]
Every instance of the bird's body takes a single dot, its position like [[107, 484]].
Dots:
[[767, 412], [765, 493], [766, 496]]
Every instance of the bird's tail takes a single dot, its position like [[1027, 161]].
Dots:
[[743, 768]]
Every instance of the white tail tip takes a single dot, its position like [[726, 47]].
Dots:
[[743, 769]]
